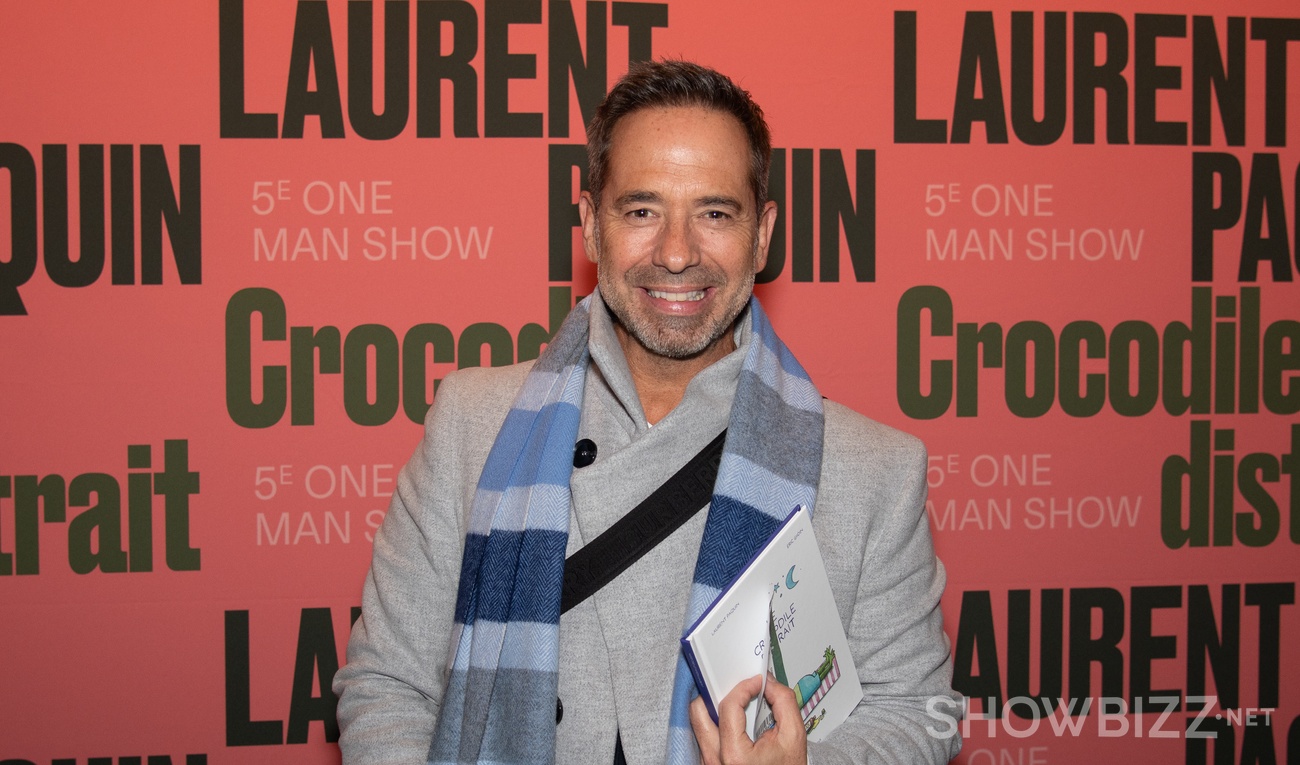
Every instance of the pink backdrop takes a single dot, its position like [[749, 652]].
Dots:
[[1080, 294]]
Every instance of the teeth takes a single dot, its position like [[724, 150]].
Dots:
[[677, 297]]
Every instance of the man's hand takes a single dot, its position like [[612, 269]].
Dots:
[[727, 743]]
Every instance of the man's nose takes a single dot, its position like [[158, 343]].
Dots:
[[677, 251]]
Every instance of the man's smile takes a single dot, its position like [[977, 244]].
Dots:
[[676, 297]]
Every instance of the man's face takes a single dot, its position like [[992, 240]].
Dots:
[[677, 239]]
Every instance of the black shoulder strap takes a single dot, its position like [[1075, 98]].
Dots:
[[648, 524]]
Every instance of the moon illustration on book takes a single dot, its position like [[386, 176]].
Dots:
[[789, 579]]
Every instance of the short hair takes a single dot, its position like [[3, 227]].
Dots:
[[673, 83]]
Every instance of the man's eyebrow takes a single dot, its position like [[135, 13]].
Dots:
[[721, 201], [637, 197]]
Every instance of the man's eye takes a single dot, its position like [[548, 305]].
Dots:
[[716, 215], [639, 214]]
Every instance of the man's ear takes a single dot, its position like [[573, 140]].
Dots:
[[766, 222], [587, 214]]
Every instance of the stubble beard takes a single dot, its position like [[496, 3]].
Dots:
[[673, 337]]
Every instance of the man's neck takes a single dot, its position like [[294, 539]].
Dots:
[[661, 381]]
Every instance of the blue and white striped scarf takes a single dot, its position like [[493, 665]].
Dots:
[[499, 704]]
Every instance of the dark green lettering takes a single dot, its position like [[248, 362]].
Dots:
[[911, 399], [432, 67], [317, 660], [1080, 340], [1027, 127], [971, 339], [1149, 78], [356, 401], [1142, 367], [500, 66], [564, 49], [1195, 469], [239, 358], [312, 48], [1106, 76], [1089, 645], [1224, 76], [100, 526], [469, 352], [978, 71], [423, 344], [304, 342], [837, 208], [361, 70], [1020, 401]]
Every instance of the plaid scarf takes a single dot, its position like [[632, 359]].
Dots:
[[499, 704]]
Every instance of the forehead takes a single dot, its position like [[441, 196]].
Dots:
[[678, 144]]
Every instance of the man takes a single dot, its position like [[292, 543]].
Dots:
[[461, 653]]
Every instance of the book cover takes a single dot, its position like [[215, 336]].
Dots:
[[778, 615]]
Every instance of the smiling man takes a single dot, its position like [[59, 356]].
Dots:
[[658, 441], [677, 240]]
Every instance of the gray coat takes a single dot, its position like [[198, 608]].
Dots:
[[618, 650]]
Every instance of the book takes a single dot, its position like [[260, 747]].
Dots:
[[778, 615]]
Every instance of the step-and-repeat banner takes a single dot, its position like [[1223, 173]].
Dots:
[[241, 243]]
